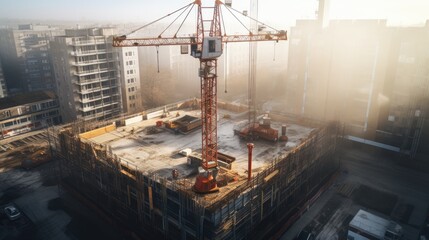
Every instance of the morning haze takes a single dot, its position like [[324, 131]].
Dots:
[[310, 123]]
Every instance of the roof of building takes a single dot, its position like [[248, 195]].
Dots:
[[158, 152], [25, 98], [372, 224]]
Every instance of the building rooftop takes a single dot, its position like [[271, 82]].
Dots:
[[157, 152], [25, 98], [372, 224]]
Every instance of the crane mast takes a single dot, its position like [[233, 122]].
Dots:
[[208, 52], [206, 46]]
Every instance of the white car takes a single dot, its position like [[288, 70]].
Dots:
[[12, 212]]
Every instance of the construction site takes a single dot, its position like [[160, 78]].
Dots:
[[200, 168], [330, 145], [134, 171]]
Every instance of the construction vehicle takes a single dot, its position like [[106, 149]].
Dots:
[[206, 45], [261, 130], [35, 159]]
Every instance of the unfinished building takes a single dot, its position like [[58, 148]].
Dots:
[[133, 172]]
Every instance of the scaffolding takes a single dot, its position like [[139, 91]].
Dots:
[[148, 202]]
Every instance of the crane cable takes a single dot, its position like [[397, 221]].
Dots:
[[187, 6], [242, 24], [186, 17], [159, 19], [226, 54], [157, 57], [226, 67], [175, 20], [274, 55], [263, 24]]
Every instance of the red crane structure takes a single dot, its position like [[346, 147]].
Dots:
[[206, 45]]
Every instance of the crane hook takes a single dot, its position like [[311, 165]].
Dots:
[[157, 57]]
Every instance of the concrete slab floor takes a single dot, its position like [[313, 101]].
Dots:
[[157, 153]]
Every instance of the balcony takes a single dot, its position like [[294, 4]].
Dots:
[[93, 71], [92, 62], [97, 89], [105, 104], [94, 80], [88, 42], [91, 99], [88, 53]]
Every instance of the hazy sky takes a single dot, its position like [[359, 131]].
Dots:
[[398, 12]]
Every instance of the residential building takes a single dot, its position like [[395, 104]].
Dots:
[[87, 74], [3, 89], [371, 77], [130, 80], [26, 112], [26, 59]]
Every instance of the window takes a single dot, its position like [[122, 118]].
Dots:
[[212, 46], [7, 113]]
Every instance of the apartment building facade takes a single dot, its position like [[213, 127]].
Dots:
[[26, 57], [27, 112], [3, 88], [130, 80], [87, 74]]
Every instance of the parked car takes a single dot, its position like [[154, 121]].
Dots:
[[12, 212], [305, 235]]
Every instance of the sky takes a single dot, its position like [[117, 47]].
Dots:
[[397, 12]]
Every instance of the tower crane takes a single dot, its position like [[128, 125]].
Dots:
[[206, 45]]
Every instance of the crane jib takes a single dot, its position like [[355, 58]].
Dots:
[[122, 41]]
